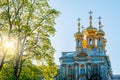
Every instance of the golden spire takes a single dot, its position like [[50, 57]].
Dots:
[[90, 18], [79, 24]]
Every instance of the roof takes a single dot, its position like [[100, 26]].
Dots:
[[92, 53]]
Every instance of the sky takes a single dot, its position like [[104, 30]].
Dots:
[[66, 25]]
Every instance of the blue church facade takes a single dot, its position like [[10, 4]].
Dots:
[[89, 61]]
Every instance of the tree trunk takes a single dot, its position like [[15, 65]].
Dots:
[[16, 68], [2, 62]]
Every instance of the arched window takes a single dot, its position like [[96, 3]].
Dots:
[[99, 42], [82, 65], [95, 69], [79, 43], [70, 69], [99, 39], [90, 41], [82, 71]]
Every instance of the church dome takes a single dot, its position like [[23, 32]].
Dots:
[[100, 32], [78, 35], [90, 30]]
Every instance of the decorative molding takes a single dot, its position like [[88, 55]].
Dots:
[[82, 65], [82, 54], [76, 64], [63, 65], [70, 67]]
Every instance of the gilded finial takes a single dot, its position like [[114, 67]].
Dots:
[[79, 24], [90, 18]]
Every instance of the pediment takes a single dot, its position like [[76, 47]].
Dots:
[[82, 54]]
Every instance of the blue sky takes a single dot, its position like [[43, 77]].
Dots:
[[66, 25]]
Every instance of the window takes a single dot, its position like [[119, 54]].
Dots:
[[70, 71], [95, 69], [78, 43], [99, 41], [82, 71], [90, 41]]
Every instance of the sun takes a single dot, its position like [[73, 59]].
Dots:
[[8, 45]]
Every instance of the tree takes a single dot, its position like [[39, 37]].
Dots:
[[25, 47]]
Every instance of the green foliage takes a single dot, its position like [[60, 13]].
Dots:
[[30, 23]]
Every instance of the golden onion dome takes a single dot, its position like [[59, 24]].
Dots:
[[78, 35], [90, 30], [100, 32]]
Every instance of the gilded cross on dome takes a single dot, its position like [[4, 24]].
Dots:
[[90, 12]]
